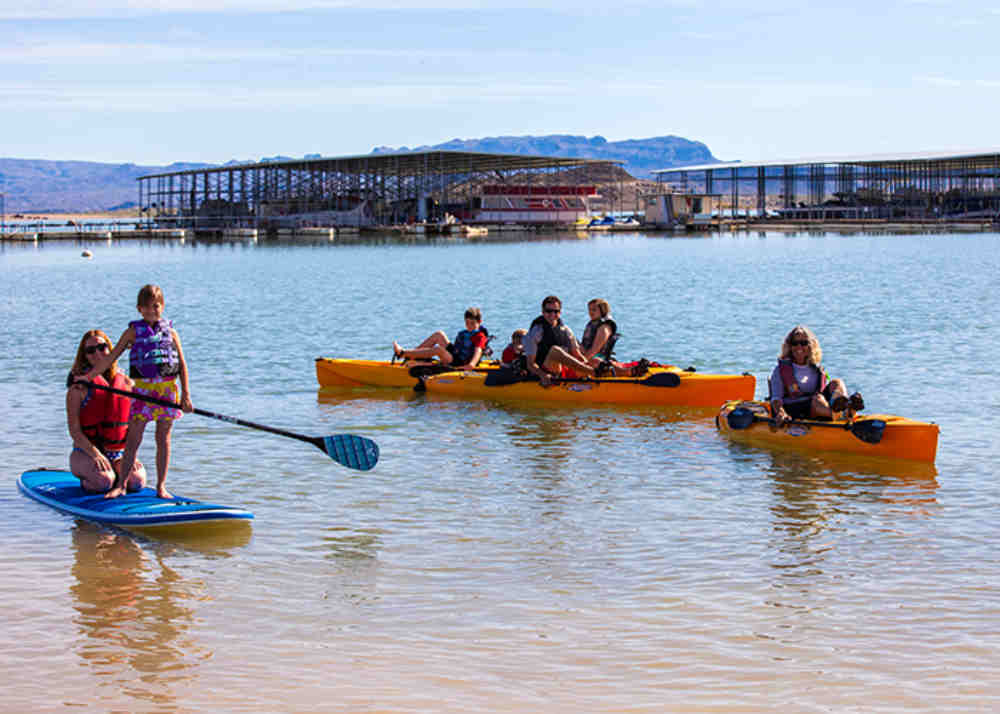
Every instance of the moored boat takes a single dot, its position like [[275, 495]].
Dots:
[[878, 435], [660, 386]]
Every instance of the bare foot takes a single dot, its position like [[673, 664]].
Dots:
[[115, 492], [162, 492]]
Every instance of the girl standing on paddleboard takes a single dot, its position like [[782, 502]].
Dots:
[[156, 360]]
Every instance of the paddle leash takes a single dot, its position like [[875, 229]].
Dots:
[[350, 450]]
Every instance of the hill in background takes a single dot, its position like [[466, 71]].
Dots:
[[641, 156], [36, 186], [39, 186]]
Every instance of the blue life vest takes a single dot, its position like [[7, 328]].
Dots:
[[153, 353], [462, 346]]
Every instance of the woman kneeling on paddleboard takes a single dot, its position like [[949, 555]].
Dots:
[[98, 420], [800, 387]]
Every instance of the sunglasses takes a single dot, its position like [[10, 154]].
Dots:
[[552, 310], [799, 343], [103, 347]]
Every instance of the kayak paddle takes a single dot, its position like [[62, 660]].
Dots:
[[867, 430], [350, 450], [497, 378]]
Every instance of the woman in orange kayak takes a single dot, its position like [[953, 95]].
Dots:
[[801, 388]]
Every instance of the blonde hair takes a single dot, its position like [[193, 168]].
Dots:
[[474, 313], [602, 306], [815, 352], [518, 336], [148, 295], [82, 365]]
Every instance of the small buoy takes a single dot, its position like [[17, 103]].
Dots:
[[87, 254]]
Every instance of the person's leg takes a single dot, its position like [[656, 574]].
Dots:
[[133, 439], [92, 477], [557, 357], [434, 346], [136, 479], [826, 403], [438, 339], [163, 427]]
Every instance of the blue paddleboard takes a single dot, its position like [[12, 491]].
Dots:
[[142, 509]]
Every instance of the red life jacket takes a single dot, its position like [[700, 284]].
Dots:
[[104, 416], [792, 389]]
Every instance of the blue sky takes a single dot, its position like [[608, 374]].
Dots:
[[155, 81]]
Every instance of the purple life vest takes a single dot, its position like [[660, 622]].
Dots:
[[153, 353]]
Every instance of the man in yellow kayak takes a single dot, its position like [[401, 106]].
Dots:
[[551, 348], [800, 387]]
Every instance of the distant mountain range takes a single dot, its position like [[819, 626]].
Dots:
[[39, 186], [641, 156]]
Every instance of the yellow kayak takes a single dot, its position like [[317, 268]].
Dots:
[[370, 373], [879, 435], [660, 386]]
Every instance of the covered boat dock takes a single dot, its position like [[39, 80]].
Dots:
[[369, 191], [916, 187]]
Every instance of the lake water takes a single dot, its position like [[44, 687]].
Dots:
[[505, 558]]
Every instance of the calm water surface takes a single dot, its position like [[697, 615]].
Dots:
[[514, 558]]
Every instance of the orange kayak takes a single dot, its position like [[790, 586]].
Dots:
[[879, 435], [660, 386]]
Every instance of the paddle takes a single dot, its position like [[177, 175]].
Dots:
[[354, 452], [503, 377], [868, 430]]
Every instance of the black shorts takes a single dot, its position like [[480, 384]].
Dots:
[[454, 358], [803, 409]]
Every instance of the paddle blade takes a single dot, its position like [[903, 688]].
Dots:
[[868, 430], [662, 379], [740, 418], [354, 452]]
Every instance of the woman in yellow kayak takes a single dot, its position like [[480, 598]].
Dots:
[[598, 341], [800, 387], [465, 351]]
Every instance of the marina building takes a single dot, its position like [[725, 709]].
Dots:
[[423, 190], [914, 187]]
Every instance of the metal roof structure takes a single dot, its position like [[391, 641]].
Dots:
[[409, 161], [369, 189], [985, 158], [928, 185]]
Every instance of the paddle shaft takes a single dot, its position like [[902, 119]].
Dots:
[[661, 379], [804, 422], [314, 440]]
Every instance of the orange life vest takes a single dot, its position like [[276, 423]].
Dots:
[[104, 416]]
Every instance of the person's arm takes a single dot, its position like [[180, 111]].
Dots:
[[186, 404], [101, 365], [74, 398], [778, 397], [574, 347], [601, 338], [531, 341]]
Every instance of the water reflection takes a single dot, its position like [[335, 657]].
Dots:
[[820, 499], [338, 396], [134, 615]]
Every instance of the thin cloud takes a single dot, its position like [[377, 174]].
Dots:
[[77, 9], [43, 53]]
